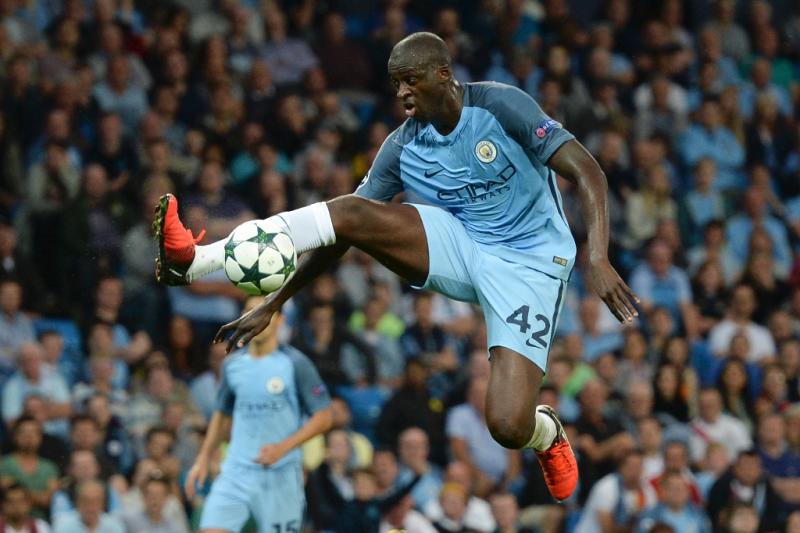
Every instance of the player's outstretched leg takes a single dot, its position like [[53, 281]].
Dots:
[[510, 399], [392, 233]]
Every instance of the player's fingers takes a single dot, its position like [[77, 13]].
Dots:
[[613, 308], [630, 292], [220, 336], [616, 306], [627, 301], [248, 335], [233, 340]]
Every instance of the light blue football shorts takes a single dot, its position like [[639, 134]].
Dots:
[[520, 305], [273, 496]]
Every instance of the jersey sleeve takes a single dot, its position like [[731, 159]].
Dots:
[[311, 390], [382, 181], [524, 120], [225, 395]]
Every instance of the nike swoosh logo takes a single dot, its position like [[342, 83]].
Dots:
[[429, 173]]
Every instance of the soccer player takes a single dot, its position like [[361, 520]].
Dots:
[[265, 392], [482, 158]]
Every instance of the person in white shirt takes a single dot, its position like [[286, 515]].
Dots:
[[715, 426], [89, 517], [16, 516], [742, 307], [403, 517], [478, 514], [617, 499]]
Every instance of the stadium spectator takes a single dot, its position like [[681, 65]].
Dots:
[[739, 319], [133, 500], [33, 378], [781, 464], [89, 515], [204, 387], [26, 467], [113, 435], [492, 465], [413, 451], [453, 500], [478, 513], [16, 328], [330, 486], [506, 513], [83, 466], [85, 436], [659, 283], [16, 516], [152, 517], [617, 499], [362, 450], [745, 484], [674, 508], [676, 461], [713, 425]]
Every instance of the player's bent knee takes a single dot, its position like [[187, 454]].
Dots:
[[510, 431]]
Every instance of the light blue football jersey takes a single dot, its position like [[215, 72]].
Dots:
[[268, 398], [490, 172]]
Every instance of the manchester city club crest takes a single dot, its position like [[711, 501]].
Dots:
[[275, 386], [486, 151]]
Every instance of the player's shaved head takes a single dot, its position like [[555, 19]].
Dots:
[[421, 50]]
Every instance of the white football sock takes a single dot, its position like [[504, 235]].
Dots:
[[309, 227], [207, 259], [544, 433]]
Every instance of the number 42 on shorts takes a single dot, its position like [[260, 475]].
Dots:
[[520, 318]]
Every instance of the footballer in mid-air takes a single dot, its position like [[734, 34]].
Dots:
[[489, 229]]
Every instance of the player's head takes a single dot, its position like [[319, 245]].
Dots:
[[271, 331], [420, 70]]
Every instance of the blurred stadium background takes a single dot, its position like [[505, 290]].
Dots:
[[685, 421]]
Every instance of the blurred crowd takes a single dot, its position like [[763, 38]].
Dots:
[[686, 421]]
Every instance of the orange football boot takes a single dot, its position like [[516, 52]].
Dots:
[[176, 244], [558, 461]]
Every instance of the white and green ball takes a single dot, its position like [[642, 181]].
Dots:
[[259, 257]]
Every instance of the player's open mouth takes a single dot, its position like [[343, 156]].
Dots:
[[410, 109]]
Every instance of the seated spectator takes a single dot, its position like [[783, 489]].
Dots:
[[204, 387], [113, 436], [712, 425], [714, 465], [428, 340], [715, 248], [478, 513], [83, 466], [389, 365], [52, 447], [85, 436], [703, 204], [159, 443], [646, 208], [288, 57], [506, 513], [634, 365], [781, 464], [133, 501], [674, 508], [26, 467], [739, 318], [16, 265], [618, 498], [709, 138], [413, 450], [755, 214], [89, 515], [152, 517], [330, 486], [118, 94], [366, 510], [101, 381], [403, 516], [16, 328], [602, 439], [453, 500], [314, 449], [745, 484], [676, 461], [774, 396], [596, 340], [33, 379], [650, 441], [16, 516], [759, 86], [470, 441], [659, 283]]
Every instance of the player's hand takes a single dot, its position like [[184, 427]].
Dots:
[[248, 325], [616, 294], [197, 477], [271, 454]]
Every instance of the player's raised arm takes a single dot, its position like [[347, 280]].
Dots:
[[573, 162]]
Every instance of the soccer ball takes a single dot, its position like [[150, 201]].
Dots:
[[259, 257]]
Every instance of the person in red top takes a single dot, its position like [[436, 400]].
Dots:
[[16, 516], [676, 460]]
